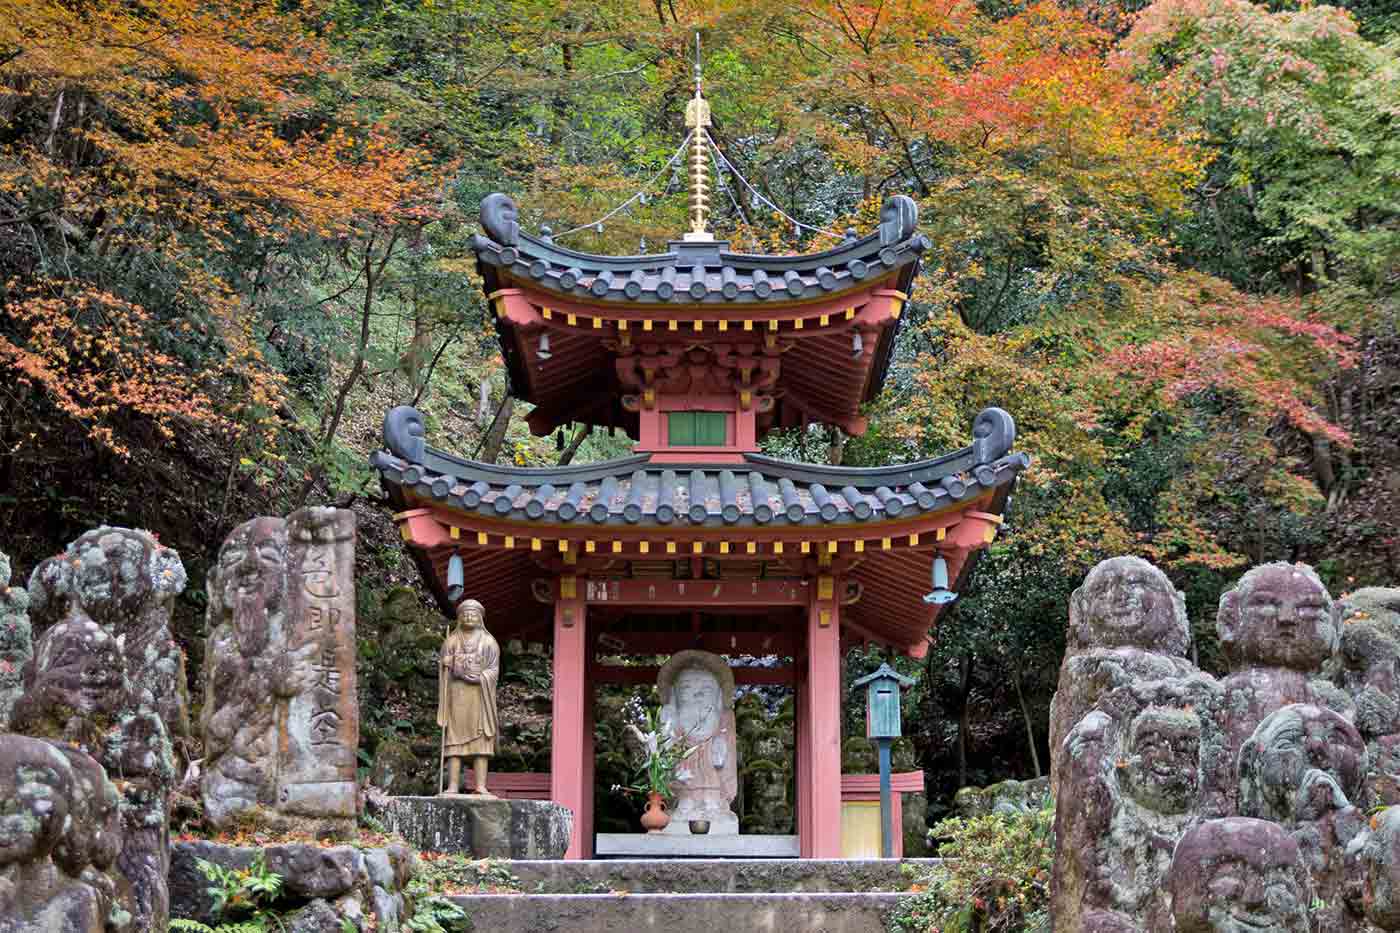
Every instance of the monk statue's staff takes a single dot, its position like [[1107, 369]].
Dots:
[[442, 726]]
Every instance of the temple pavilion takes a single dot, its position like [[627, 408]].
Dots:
[[697, 539]]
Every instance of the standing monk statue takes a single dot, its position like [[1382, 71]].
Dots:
[[467, 674]]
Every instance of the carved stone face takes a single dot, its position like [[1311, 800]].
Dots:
[[1301, 763], [470, 615], [80, 663], [116, 570], [1278, 615], [1238, 876], [1126, 602], [1163, 772], [250, 579], [35, 784], [697, 701]]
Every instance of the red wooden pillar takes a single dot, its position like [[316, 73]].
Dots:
[[821, 725], [571, 751], [804, 759]]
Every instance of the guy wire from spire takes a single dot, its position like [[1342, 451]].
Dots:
[[754, 191], [640, 192]]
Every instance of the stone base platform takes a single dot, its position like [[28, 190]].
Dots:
[[668, 845], [681, 913], [481, 827], [718, 876]]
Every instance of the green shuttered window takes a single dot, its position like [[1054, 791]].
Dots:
[[695, 428]]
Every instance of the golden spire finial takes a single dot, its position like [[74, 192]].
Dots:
[[697, 117]]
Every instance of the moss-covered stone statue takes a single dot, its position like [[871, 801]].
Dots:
[[468, 672]]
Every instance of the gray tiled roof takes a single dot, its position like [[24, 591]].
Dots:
[[697, 272], [761, 491]]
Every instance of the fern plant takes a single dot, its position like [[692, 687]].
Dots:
[[242, 895]]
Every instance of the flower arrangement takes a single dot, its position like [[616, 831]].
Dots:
[[661, 754]]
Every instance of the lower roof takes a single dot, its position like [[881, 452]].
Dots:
[[634, 492], [709, 509]]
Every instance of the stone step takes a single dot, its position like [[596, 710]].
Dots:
[[680, 913], [714, 876]]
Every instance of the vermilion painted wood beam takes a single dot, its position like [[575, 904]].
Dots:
[[569, 784], [874, 306], [696, 593], [822, 728], [783, 644], [963, 526], [618, 674]]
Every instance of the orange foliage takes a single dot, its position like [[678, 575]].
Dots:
[[184, 131]]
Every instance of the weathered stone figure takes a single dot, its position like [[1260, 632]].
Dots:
[[247, 670], [1301, 768], [77, 691], [1238, 875], [1133, 782], [126, 581], [16, 641], [47, 872], [280, 718], [1126, 622], [1369, 671], [1374, 869], [470, 666], [697, 705], [1277, 631]]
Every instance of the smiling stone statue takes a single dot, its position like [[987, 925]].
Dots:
[[1277, 631], [697, 697], [280, 716], [1134, 770], [1239, 875], [1127, 623]]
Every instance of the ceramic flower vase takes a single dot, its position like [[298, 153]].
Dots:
[[655, 816]]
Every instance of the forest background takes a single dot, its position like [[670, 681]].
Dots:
[[233, 233]]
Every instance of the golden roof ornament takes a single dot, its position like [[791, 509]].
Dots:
[[697, 118]]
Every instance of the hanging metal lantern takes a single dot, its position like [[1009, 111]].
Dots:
[[456, 580], [941, 595]]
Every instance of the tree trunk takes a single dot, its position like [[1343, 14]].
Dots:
[[579, 437], [496, 434], [1026, 716], [483, 403], [965, 688], [373, 271]]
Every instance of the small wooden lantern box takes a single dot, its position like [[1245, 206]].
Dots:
[[882, 689]]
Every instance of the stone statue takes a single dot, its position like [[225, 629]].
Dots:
[[470, 666], [697, 705], [1238, 875], [1277, 631], [1369, 672], [126, 581], [1126, 622], [1135, 770], [280, 716], [16, 641], [1268, 830], [1374, 866], [1301, 768], [57, 838], [78, 692]]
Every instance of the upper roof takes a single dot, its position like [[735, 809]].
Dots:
[[697, 272]]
